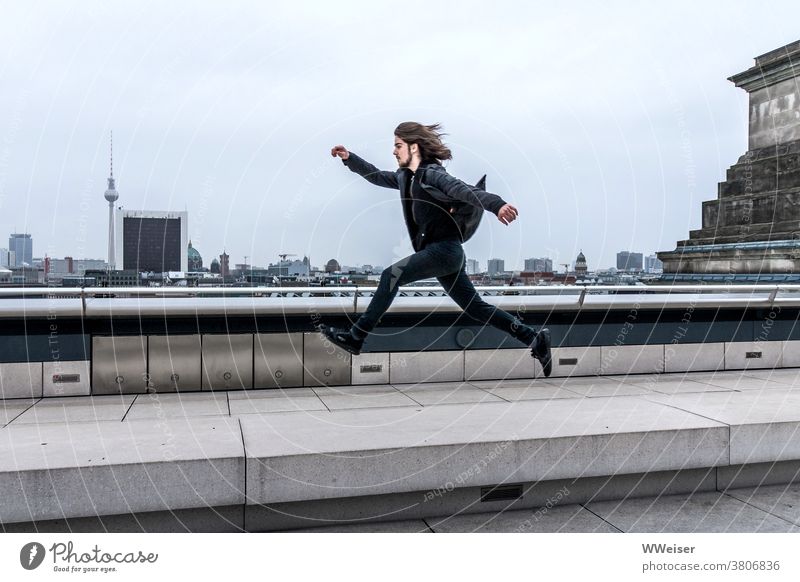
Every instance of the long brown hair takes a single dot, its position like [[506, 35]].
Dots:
[[427, 137]]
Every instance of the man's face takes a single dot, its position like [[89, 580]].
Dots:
[[402, 152]]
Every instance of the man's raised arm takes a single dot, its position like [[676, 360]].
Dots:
[[363, 168]]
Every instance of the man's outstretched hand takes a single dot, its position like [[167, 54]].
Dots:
[[340, 151], [507, 214]]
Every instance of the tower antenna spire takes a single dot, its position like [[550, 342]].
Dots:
[[111, 197]]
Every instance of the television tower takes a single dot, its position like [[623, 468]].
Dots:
[[111, 195]]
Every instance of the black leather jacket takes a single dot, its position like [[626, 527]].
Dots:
[[466, 203]]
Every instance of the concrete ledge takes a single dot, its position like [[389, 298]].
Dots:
[[631, 359], [73, 378], [414, 367], [305, 456], [749, 355], [694, 357], [507, 363], [66, 378], [56, 471], [764, 424], [370, 368], [581, 361], [390, 452], [790, 354]]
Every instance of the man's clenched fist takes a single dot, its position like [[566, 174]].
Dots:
[[340, 151], [507, 214]]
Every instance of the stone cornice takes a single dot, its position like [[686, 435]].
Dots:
[[769, 73]]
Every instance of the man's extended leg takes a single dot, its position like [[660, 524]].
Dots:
[[461, 290], [439, 258]]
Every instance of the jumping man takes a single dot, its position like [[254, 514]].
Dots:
[[441, 212]]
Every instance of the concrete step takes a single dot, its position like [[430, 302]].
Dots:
[[335, 453]]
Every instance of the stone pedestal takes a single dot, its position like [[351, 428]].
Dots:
[[753, 226]]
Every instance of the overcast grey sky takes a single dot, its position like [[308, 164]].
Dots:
[[606, 124]]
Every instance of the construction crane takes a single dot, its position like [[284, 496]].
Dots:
[[284, 255]]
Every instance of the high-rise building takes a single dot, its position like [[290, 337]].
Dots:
[[542, 265], [22, 247], [224, 264], [627, 261], [149, 240], [4, 262], [496, 266], [111, 196], [473, 267]]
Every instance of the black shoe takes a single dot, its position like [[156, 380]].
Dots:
[[342, 338], [540, 349]]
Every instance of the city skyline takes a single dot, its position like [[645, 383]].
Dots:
[[618, 156], [530, 263]]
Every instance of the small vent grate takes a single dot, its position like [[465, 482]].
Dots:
[[501, 492], [65, 378], [371, 368], [567, 361], [752, 355]]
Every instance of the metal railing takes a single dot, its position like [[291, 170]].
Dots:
[[409, 290], [106, 301]]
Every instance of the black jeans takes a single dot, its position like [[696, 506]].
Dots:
[[445, 261]]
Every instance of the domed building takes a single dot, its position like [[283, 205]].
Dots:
[[215, 266], [332, 266], [195, 260], [580, 266]]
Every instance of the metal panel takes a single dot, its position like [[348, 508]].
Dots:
[[751, 355], [371, 368], [65, 379], [22, 380], [638, 359], [174, 362], [498, 364], [408, 367], [694, 357], [119, 364], [278, 360], [227, 361], [324, 363]]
